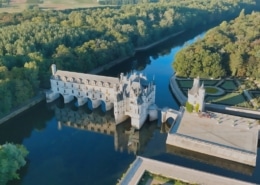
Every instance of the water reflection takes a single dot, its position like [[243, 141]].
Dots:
[[223, 163], [16, 130], [126, 138]]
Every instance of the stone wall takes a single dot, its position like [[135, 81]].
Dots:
[[213, 149]]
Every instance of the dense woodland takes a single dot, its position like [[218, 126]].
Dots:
[[80, 40], [231, 49]]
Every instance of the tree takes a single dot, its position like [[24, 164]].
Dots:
[[12, 157]]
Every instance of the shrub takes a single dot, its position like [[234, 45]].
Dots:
[[189, 107], [196, 108]]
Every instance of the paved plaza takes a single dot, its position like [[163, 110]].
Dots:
[[228, 130]]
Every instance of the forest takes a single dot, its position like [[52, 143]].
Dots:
[[230, 49], [83, 39]]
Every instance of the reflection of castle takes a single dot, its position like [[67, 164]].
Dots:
[[125, 136]]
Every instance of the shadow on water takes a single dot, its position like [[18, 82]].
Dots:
[[20, 127], [215, 161]]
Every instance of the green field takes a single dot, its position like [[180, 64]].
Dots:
[[20, 5], [211, 90]]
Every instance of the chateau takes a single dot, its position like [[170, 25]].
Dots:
[[130, 95]]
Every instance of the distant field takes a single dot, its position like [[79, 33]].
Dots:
[[20, 5]]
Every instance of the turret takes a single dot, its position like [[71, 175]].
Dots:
[[53, 69], [201, 97]]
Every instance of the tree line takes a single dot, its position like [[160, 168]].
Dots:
[[230, 49], [83, 39]]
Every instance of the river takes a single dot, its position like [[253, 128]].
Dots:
[[65, 154]]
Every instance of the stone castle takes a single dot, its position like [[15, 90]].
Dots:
[[130, 95]]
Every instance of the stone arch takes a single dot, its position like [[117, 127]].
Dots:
[[106, 105], [60, 101], [170, 121], [167, 113]]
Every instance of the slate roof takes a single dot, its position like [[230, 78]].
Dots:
[[84, 76]]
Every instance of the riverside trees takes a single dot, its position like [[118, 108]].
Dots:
[[80, 40], [12, 157], [231, 49]]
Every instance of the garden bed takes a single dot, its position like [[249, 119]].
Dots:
[[229, 85], [230, 99]]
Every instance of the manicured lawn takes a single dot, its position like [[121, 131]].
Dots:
[[188, 83], [229, 85], [185, 83], [210, 82], [232, 99], [211, 90]]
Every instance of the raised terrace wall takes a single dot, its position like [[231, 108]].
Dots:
[[141, 164], [212, 149]]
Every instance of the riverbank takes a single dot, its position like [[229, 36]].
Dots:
[[37, 99], [26, 105], [139, 49]]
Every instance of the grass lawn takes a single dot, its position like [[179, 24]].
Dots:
[[211, 90], [229, 85], [210, 82], [185, 83], [232, 99]]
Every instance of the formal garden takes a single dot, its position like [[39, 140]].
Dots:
[[229, 92]]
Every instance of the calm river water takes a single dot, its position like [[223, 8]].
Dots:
[[62, 154]]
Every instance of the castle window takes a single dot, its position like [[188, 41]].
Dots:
[[57, 89], [57, 83], [72, 91]]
